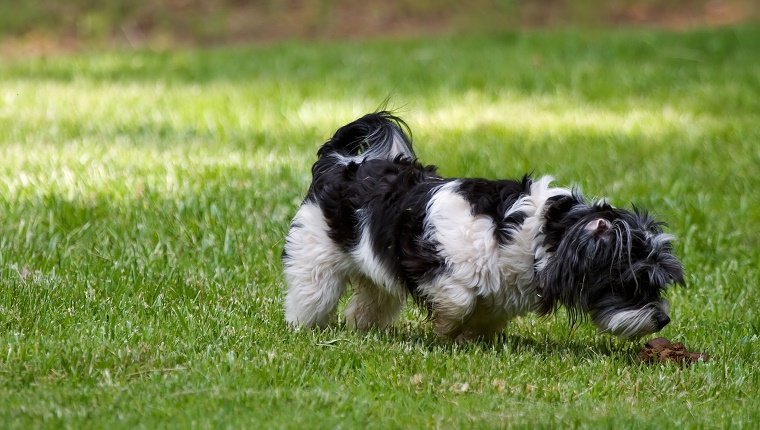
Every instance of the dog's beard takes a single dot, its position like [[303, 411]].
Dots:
[[633, 323]]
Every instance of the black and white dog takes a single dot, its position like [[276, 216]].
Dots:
[[476, 252]]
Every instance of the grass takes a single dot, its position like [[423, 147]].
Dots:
[[144, 197]]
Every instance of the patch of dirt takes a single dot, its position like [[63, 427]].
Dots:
[[164, 24], [684, 15]]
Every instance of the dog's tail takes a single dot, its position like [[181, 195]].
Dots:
[[379, 135]]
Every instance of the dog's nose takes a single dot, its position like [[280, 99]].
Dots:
[[662, 321]]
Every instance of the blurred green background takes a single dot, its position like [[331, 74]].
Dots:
[[44, 26]]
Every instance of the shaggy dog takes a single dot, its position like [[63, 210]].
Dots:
[[475, 252]]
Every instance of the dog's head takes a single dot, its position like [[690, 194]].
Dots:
[[609, 263]]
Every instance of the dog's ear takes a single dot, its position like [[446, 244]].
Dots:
[[556, 280], [557, 219], [557, 285], [558, 208]]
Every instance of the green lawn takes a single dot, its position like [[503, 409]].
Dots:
[[144, 198]]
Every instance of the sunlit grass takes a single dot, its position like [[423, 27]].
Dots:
[[144, 198]]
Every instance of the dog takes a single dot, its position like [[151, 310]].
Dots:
[[475, 252]]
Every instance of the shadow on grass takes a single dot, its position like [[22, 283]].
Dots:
[[541, 346]]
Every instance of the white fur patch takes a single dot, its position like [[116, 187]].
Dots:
[[315, 270], [466, 241]]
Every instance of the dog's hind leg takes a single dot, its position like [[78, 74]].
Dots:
[[315, 270], [372, 306], [452, 303], [485, 323], [311, 300]]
